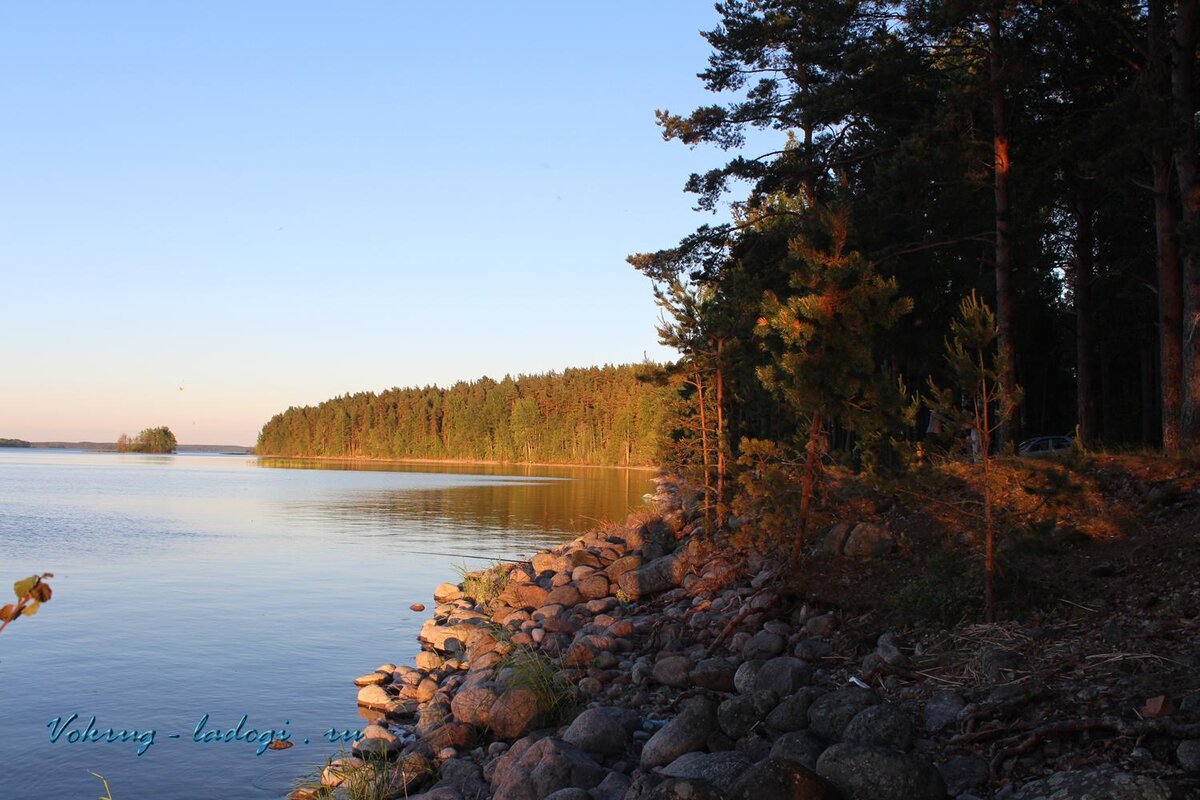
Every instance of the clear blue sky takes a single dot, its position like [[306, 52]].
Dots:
[[212, 211]]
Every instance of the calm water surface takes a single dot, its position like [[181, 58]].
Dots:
[[194, 584]]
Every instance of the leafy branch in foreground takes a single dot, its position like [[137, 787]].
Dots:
[[31, 593]]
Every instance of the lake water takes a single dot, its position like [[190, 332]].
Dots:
[[200, 584]]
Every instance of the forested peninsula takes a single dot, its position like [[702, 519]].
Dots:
[[610, 415]]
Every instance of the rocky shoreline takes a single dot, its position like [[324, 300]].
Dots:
[[652, 661]]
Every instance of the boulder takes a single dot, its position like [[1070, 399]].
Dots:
[[686, 732], [374, 696], [740, 714], [652, 578], [792, 712], [800, 747], [447, 593], [775, 779], [763, 645], [746, 676], [605, 730], [473, 705], [830, 713], [963, 774], [566, 596], [1091, 784], [549, 562], [536, 771], [680, 789], [516, 712], [868, 540], [614, 787], [524, 595], [673, 671], [593, 587], [1188, 755], [715, 674], [835, 539], [866, 772], [942, 709], [721, 770], [783, 675], [882, 725]]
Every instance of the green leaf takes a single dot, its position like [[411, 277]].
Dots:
[[30, 609], [22, 588]]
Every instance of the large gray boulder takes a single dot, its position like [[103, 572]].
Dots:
[[602, 731], [866, 772], [686, 732]]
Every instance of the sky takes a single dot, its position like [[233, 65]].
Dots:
[[214, 211]]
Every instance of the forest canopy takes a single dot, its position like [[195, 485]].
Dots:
[[599, 415]]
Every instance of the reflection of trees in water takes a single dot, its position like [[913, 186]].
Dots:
[[535, 506]]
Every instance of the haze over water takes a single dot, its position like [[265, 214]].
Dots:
[[189, 585]]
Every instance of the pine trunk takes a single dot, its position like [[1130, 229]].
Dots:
[[1183, 105], [1169, 271], [1010, 430]]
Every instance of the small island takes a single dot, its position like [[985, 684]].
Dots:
[[150, 440], [14, 443]]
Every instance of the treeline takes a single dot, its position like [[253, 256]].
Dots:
[[1042, 153], [14, 443], [599, 415]]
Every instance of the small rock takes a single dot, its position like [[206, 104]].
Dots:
[[418, 607], [1188, 754], [821, 625], [963, 774], [1091, 784], [942, 709]]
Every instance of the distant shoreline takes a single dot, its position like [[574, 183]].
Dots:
[[111, 447], [461, 462]]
